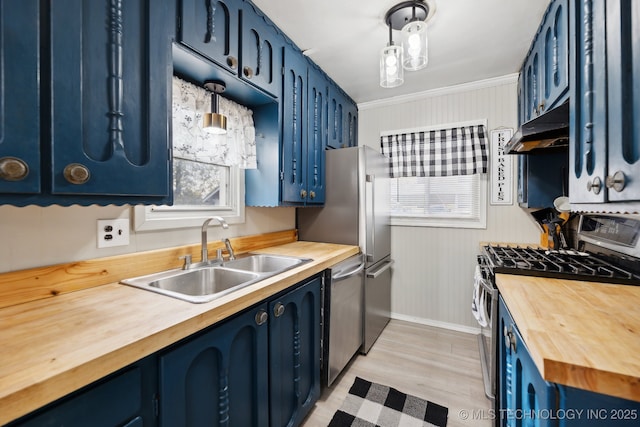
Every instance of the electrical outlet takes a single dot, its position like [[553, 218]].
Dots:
[[113, 232]]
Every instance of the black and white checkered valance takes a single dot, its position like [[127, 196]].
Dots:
[[445, 152]]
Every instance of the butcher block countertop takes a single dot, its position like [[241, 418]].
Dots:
[[51, 347], [581, 334]]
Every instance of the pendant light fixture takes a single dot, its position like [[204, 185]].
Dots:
[[391, 71], [409, 17], [215, 122]]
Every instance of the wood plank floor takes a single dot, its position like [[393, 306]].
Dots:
[[436, 364]]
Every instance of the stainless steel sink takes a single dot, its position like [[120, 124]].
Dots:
[[264, 263], [206, 283]]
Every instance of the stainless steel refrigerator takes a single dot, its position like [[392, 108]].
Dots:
[[356, 212]]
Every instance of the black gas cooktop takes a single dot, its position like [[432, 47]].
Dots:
[[562, 264]]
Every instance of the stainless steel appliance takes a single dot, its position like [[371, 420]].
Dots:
[[608, 251], [356, 212], [342, 326]]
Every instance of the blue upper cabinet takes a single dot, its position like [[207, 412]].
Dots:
[[605, 104], [545, 72], [110, 99], [104, 74], [20, 96], [211, 28], [317, 129], [294, 128], [262, 49]]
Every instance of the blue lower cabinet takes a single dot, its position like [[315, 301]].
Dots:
[[260, 368], [294, 354], [526, 399], [123, 399], [582, 408], [219, 378]]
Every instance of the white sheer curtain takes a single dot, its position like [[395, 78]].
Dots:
[[236, 148]]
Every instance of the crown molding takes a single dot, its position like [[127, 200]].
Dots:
[[447, 90]]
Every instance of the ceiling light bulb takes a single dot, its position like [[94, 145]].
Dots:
[[391, 61]]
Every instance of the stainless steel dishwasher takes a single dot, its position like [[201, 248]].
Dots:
[[343, 316]]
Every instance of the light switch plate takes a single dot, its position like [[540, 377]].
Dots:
[[113, 232]]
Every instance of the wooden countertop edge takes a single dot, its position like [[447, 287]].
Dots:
[[19, 399], [592, 379]]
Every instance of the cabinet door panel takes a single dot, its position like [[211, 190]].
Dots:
[[588, 103], [294, 354], [336, 119], [317, 135], [218, 378], [623, 63], [294, 124], [211, 27], [555, 77], [19, 97], [111, 69], [262, 47]]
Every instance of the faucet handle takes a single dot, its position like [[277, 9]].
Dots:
[[187, 261]]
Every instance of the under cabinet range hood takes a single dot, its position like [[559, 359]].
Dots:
[[545, 133]]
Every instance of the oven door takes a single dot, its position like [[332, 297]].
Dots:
[[484, 306]]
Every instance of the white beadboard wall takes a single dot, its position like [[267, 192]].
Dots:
[[433, 272]]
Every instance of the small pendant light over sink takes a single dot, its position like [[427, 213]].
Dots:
[[214, 122], [409, 17]]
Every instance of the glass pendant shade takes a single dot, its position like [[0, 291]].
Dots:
[[391, 71], [414, 45]]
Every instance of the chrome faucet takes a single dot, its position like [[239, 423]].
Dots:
[[205, 224], [227, 243]]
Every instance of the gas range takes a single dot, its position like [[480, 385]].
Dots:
[[608, 251]]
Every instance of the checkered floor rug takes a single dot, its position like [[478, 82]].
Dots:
[[373, 405]]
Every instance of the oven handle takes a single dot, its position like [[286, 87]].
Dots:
[[490, 289]]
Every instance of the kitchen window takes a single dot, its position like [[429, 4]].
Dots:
[[438, 175], [208, 169]]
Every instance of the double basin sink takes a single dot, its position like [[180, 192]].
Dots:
[[206, 283]]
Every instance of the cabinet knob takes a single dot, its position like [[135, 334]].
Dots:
[[595, 185], [312, 194], [303, 194], [13, 169], [232, 62], [509, 338], [248, 72], [76, 173], [278, 310], [617, 181], [261, 317]]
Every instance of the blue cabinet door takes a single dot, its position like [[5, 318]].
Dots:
[[294, 127], [623, 101], [531, 71], [336, 119], [294, 354], [262, 50], [219, 378], [525, 398], [20, 96], [123, 399], [351, 124], [555, 51], [211, 28], [317, 86], [588, 102], [110, 70], [589, 409]]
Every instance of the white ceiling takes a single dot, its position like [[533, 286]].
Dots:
[[469, 40]]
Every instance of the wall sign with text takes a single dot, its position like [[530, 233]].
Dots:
[[501, 168]]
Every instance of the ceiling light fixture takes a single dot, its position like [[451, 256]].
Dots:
[[214, 122], [409, 17]]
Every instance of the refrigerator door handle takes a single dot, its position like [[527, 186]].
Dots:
[[387, 265], [370, 217]]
